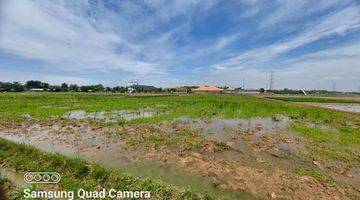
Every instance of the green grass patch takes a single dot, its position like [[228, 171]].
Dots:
[[331, 145], [43, 106], [345, 136]]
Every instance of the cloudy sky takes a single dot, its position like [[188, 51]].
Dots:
[[307, 44]]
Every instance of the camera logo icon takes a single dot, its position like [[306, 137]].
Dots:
[[42, 177]]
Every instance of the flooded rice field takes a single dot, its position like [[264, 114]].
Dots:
[[238, 158]]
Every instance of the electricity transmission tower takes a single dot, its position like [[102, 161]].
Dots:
[[271, 85]]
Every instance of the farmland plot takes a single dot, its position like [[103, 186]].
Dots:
[[187, 146]]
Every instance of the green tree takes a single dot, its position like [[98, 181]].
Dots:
[[98, 88], [74, 88], [64, 87], [36, 84]]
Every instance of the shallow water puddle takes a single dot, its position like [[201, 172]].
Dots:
[[108, 151], [265, 138], [343, 107], [113, 115], [67, 140], [171, 174], [76, 114], [226, 129], [131, 114], [348, 108], [352, 176], [81, 114], [16, 178]]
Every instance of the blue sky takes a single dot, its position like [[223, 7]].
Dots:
[[308, 44]]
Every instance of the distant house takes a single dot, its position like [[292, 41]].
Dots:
[[230, 90], [142, 88], [178, 90], [207, 89]]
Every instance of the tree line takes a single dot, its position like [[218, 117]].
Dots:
[[34, 85]]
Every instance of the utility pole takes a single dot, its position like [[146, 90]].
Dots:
[[243, 84], [271, 86], [333, 86]]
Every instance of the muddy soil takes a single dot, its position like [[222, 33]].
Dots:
[[249, 159]]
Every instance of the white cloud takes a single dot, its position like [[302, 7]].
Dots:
[[65, 37], [285, 10], [336, 23], [313, 71], [348, 51], [289, 11], [23, 76], [225, 41], [146, 39]]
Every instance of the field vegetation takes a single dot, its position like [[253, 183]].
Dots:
[[237, 142]]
